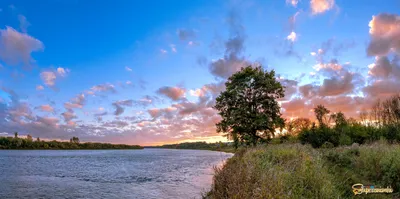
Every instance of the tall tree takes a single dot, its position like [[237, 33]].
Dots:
[[248, 107], [320, 113], [15, 134]]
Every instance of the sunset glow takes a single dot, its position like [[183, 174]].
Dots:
[[149, 74]]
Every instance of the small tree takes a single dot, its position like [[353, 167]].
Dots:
[[339, 118], [295, 126], [74, 140], [320, 113], [248, 106], [29, 138]]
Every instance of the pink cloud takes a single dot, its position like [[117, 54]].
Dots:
[[17, 47], [46, 108], [174, 93], [321, 6]]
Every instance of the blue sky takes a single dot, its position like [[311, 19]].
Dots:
[[164, 62]]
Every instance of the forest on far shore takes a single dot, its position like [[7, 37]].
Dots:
[[74, 143]]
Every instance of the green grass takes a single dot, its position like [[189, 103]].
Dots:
[[300, 171]]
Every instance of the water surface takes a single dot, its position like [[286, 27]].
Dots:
[[147, 173]]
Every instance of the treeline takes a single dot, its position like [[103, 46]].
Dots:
[[217, 146], [28, 143], [382, 122]]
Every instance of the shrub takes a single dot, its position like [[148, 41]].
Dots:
[[290, 170]]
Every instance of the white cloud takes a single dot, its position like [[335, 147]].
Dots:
[[321, 6], [292, 2], [292, 37], [128, 69]]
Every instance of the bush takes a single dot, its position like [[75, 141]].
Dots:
[[319, 136]]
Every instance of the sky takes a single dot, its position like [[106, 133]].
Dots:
[[148, 72]]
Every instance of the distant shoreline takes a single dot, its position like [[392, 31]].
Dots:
[[16, 143], [226, 147]]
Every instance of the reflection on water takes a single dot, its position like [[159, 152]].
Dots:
[[148, 173]]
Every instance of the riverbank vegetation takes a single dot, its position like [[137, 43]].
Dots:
[[217, 146], [321, 159], [300, 171], [74, 143]]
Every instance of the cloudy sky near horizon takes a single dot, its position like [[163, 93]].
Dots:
[[148, 73]]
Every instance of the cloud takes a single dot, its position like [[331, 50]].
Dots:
[[174, 93], [23, 23], [232, 60], [385, 34], [39, 87], [49, 121], [128, 69], [163, 51], [337, 85], [383, 68], [76, 102], [21, 113], [116, 124], [101, 114], [17, 47], [382, 88], [68, 116], [292, 37], [293, 20], [48, 77], [337, 80], [173, 48], [185, 34], [103, 88], [62, 72], [292, 2], [332, 46], [321, 6], [146, 101], [290, 87], [119, 106], [46, 108]]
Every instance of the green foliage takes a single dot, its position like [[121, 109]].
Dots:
[[20, 143], [217, 146], [346, 132], [276, 171], [298, 171], [317, 136], [376, 164], [248, 107]]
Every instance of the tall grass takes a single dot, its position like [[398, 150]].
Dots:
[[300, 171]]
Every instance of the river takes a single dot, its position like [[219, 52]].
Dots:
[[147, 173]]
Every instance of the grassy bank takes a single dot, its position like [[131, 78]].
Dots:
[[300, 171]]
